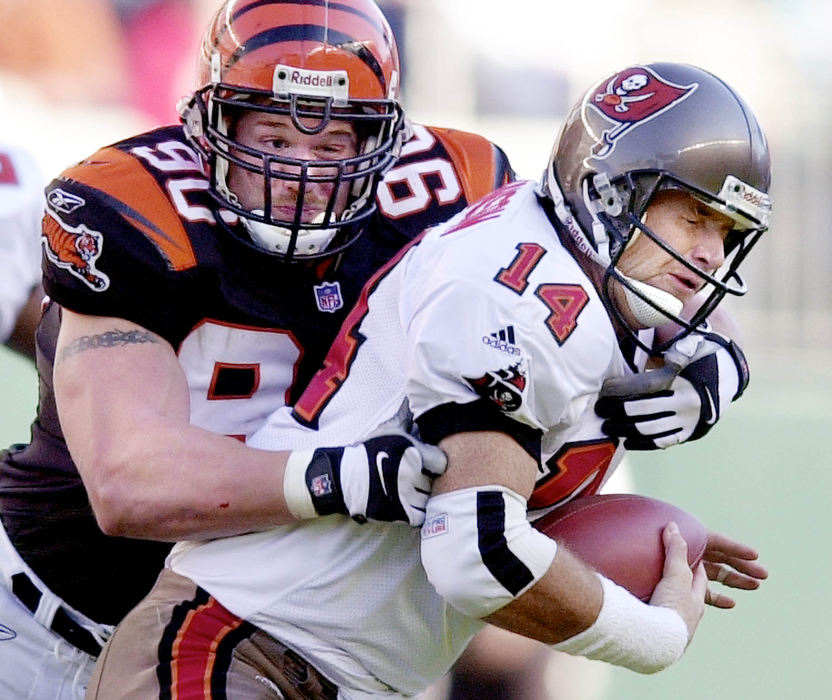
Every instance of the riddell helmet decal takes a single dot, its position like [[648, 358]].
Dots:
[[631, 98]]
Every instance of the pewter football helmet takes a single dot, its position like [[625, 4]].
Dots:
[[643, 130]]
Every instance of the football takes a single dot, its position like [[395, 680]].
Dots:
[[620, 535]]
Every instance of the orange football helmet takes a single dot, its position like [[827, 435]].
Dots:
[[315, 61]]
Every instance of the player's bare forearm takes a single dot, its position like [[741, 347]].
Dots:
[[563, 603], [485, 549], [123, 403]]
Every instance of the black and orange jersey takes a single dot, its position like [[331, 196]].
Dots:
[[132, 233]]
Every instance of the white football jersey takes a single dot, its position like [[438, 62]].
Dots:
[[21, 210], [488, 307]]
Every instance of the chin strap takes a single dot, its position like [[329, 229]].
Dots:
[[647, 314], [276, 239]]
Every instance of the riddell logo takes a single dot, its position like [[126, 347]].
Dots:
[[754, 198], [298, 78], [289, 80]]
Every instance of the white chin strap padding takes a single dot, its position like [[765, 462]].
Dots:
[[643, 312], [276, 239]]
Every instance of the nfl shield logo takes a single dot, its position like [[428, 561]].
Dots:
[[321, 486], [328, 297]]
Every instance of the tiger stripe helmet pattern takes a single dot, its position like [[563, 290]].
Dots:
[[315, 61]]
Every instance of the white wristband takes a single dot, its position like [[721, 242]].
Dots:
[[644, 638], [295, 492]]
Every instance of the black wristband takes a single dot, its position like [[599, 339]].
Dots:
[[323, 481]]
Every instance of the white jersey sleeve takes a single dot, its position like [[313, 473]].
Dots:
[[493, 323], [21, 209], [486, 326]]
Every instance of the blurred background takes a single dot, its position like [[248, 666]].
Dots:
[[78, 74]]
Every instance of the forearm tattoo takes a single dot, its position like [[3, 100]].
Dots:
[[110, 339]]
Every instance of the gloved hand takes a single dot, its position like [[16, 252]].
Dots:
[[680, 402], [385, 478]]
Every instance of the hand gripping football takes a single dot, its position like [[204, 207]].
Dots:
[[620, 536]]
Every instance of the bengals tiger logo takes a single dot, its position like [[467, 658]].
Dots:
[[76, 250]]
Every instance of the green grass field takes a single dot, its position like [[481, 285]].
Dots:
[[19, 397], [764, 476]]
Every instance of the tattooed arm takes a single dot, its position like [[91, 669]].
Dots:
[[124, 408]]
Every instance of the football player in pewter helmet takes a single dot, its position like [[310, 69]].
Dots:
[[297, 115], [669, 134]]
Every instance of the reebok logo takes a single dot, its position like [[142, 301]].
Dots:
[[502, 340], [64, 202]]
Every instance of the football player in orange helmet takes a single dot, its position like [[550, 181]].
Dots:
[[300, 71], [197, 275]]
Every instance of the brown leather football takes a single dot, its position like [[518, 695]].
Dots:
[[620, 535]]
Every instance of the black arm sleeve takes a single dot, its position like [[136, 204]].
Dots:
[[480, 415]]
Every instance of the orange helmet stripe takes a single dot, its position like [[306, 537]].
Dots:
[[313, 33], [309, 31]]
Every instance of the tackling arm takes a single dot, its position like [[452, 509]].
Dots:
[[123, 403]]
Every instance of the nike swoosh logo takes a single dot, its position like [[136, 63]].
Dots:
[[6, 633], [380, 457], [711, 419]]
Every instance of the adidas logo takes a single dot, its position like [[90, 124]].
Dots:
[[502, 340]]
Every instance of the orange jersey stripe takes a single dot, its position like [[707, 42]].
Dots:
[[473, 158], [120, 176]]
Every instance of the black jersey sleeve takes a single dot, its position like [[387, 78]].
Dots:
[[114, 242]]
